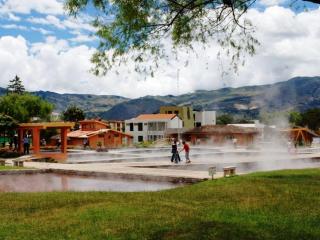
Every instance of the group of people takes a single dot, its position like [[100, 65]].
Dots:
[[175, 152]]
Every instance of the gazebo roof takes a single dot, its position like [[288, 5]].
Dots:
[[300, 129], [45, 125]]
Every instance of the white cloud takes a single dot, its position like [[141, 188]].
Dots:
[[48, 20], [289, 47], [14, 17], [69, 23], [26, 6], [81, 38], [14, 26], [41, 30], [271, 2]]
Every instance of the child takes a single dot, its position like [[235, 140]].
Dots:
[[186, 148]]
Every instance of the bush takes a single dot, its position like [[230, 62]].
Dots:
[[8, 154]]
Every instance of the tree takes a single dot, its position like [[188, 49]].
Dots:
[[311, 119], [73, 114], [24, 107], [295, 118], [224, 119], [7, 126], [136, 29], [15, 86]]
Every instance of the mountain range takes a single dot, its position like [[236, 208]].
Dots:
[[299, 93]]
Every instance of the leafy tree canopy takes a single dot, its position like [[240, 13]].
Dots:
[[15, 86], [73, 114], [295, 118], [7, 123], [311, 119], [137, 29], [25, 107], [224, 119]]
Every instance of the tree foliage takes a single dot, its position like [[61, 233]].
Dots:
[[15, 86], [295, 118], [311, 119], [224, 119], [73, 114], [7, 123], [138, 29], [25, 107]]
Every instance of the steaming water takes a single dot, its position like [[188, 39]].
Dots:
[[136, 155], [266, 158], [247, 167], [58, 182]]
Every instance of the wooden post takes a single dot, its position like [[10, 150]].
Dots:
[[36, 140], [63, 140], [20, 140]]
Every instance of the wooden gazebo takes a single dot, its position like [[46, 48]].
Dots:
[[35, 129], [300, 135]]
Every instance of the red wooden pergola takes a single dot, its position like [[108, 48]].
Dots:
[[35, 128]]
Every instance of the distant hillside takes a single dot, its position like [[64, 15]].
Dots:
[[93, 105], [132, 108], [298, 93]]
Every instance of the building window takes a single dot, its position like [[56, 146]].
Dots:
[[169, 112], [140, 138], [131, 127], [140, 127], [188, 113], [198, 124], [176, 112]]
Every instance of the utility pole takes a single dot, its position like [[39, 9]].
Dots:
[[178, 132]]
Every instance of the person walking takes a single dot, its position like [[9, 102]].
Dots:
[[175, 154], [186, 149]]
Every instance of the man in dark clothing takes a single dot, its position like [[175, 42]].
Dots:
[[26, 145], [175, 154]]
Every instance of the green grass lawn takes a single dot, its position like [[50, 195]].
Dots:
[[274, 205], [6, 168]]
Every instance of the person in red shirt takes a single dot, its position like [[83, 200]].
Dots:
[[186, 149]]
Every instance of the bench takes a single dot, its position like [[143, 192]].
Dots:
[[2, 162], [229, 171], [18, 162]]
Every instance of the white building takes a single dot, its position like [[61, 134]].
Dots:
[[151, 127], [204, 118]]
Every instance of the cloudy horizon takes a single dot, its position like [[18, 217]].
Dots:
[[51, 51]]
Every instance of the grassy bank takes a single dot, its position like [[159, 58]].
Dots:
[[6, 168], [275, 205]]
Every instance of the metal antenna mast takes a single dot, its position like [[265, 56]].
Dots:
[[178, 73]]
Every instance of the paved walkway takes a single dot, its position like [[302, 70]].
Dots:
[[159, 168], [132, 168]]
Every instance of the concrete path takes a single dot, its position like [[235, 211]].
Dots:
[[132, 168], [163, 168]]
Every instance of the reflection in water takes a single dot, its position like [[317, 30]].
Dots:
[[248, 167], [58, 182]]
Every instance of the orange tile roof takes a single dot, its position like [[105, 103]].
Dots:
[[87, 134], [80, 134], [93, 121], [155, 116]]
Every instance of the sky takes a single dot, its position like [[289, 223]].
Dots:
[[51, 51]]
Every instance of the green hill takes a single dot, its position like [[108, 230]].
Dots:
[[298, 93]]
